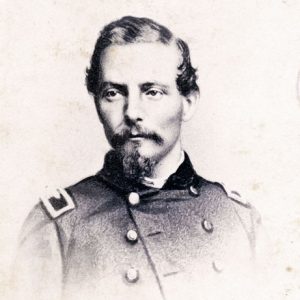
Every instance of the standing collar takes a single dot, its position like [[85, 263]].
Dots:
[[112, 174], [160, 182]]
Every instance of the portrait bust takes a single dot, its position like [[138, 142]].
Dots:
[[146, 226]]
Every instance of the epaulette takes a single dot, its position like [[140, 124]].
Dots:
[[58, 203], [235, 196]]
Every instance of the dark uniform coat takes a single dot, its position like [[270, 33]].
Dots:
[[108, 238]]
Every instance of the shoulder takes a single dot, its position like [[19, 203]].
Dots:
[[224, 196], [61, 208], [219, 189], [57, 203], [241, 204], [229, 204]]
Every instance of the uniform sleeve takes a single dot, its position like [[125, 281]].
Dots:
[[37, 270], [264, 264], [258, 278], [251, 221], [261, 239]]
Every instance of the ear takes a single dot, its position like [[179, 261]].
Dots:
[[189, 105]]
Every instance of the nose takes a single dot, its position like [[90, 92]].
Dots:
[[133, 110]]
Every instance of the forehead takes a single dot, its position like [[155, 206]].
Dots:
[[140, 62]]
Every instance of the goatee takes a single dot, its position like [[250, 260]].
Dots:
[[135, 166]]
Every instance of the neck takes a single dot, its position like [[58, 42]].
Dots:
[[171, 159]]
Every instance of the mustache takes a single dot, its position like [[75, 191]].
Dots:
[[120, 138]]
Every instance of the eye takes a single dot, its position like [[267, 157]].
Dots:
[[154, 94], [112, 95]]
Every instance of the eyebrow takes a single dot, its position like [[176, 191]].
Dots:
[[147, 85], [143, 86], [118, 86]]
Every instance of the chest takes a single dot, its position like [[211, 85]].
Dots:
[[169, 244]]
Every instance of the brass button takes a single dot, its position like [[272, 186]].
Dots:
[[132, 275], [207, 226], [132, 236], [134, 198], [193, 191]]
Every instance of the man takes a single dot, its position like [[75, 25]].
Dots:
[[146, 226]]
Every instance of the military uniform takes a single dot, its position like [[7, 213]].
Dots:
[[109, 238]]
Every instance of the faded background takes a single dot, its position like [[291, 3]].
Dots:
[[246, 132]]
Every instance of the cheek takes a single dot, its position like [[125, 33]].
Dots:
[[111, 115], [170, 116]]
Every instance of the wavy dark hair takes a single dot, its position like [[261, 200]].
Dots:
[[138, 30]]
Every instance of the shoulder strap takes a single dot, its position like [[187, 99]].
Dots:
[[236, 196], [57, 204]]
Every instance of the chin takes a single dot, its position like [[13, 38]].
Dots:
[[147, 149], [150, 150]]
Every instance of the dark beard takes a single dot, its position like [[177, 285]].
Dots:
[[135, 166]]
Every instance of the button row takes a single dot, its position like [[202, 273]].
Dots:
[[132, 274], [132, 235], [134, 198]]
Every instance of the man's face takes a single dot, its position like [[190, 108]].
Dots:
[[139, 105]]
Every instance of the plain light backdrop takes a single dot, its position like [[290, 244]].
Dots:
[[246, 131]]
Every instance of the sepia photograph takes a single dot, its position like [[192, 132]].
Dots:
[[150, 150]]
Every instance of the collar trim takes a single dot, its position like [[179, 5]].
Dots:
[[112, 174]]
